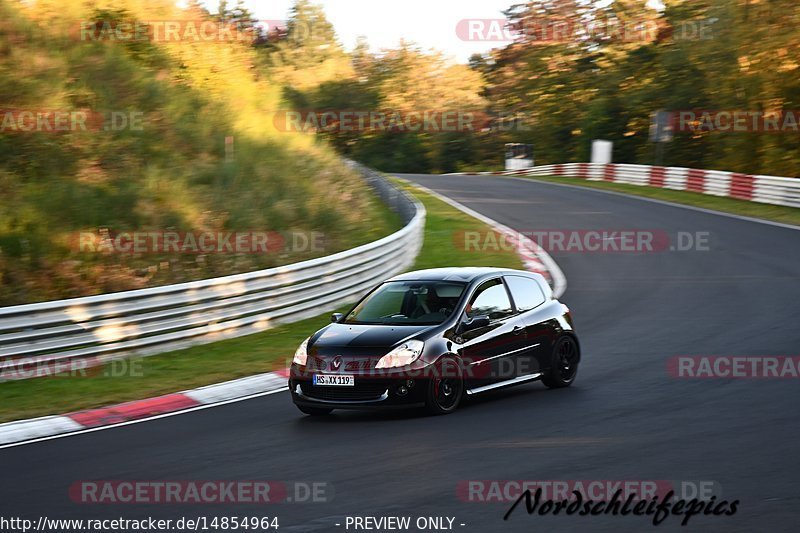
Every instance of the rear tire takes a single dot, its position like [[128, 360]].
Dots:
[[446, 387], [564, 364], [315, 411]]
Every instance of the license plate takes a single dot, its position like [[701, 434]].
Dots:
[[338, 380]]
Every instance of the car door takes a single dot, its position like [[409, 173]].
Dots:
[[489, 351], [529, 300]]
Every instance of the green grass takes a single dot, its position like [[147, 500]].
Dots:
[[229, 359], [776, 213], [442, 225], [159, 374], [170, 172]]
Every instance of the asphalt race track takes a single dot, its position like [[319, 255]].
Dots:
[[626, 418]]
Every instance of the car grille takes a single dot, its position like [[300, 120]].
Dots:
[[353, 365], [362, 392]]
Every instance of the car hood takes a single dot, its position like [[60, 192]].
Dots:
[[363, 336]]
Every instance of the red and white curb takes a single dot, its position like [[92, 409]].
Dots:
[[50, 427], [764, 189], [36, 429]]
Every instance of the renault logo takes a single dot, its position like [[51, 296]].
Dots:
[[337, 362]]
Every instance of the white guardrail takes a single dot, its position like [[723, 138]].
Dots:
[[66, 335], [755, 188]]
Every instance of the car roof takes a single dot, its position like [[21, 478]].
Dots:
[[463, 274]]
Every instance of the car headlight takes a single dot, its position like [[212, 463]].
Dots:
[[403, 355], [301, 355]]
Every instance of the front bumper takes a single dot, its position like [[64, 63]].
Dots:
[[369, 392]]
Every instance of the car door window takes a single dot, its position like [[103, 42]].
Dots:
[[491, 299], [526, 292]]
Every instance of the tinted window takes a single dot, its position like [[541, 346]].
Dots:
[[526, 292], [408, 302], [491, 299]]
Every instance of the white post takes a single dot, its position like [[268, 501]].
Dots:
[[601, 151]]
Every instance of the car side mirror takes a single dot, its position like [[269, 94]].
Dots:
[[476, 322], [336, 317]]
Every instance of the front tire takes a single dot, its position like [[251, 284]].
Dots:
[[315, 411], [446, 387], [564, 364]]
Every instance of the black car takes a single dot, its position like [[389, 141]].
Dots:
[[427, 338]]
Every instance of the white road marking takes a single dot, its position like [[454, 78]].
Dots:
[[662, 202], [559, 280]]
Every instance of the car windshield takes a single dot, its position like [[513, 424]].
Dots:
[[399, 303]]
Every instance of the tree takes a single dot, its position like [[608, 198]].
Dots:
[[308, 53]]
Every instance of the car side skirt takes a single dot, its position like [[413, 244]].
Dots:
[[507, 383]]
